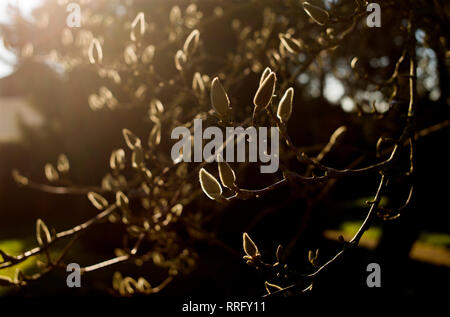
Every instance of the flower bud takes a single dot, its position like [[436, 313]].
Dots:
[[191, 43], [250, 247], [198, 84], [271, 287], [42, 233], [319, 15], [264, 75], [137, 27], [95, 45], [219, 98], [137, 158], [131, 140], [291, 45], [263, 96], [148, 54], [122, 201], [19, 178], [51, 173], [97, 200], [63, 163], [180, 60], [226, 173]]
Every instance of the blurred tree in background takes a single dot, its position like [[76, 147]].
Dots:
[[366, 101]]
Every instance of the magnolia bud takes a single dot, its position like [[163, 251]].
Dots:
[[63, 163], [137, 158], [129, 55], [191, 43], [250, 247], [263, 96], [285, 106], [131, 140], [117, 159], [226, 173], [154, 138], [42, 233], [180, 60], [95, 44], [137, 30], [292, 45], [51, 173], [122, 202], [148, 54], [271, 287], [156, 107], [219, 98], [19, 178], [198, 84], [264, 75], [97, 200], [319, 15], [337, 134]]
